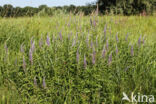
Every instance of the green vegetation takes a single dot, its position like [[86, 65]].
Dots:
[[124, 7], [68, 59]]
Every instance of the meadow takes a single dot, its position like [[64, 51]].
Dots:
[[67, 59]]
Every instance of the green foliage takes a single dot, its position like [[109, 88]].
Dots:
[[129, 7], [67, 80]]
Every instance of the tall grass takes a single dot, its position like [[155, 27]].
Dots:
[[76, 59]]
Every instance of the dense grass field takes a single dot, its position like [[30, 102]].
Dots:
[[69, 59]]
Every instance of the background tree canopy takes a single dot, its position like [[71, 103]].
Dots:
[[125, 7]]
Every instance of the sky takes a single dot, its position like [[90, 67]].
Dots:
[[50, 3]]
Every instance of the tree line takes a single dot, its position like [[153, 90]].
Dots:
[[125, 7]]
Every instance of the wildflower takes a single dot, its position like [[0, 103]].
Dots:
[[77, 56], [93, 57], [132, 51], [33, 46], [85, 63], [48, 40], [60, 34], [110, 59], [94, 23], [40, 42], [24, 64], [117, 37], [87, 40], [31, 56], [117, 50], [139, 41], [103, 52], [91, 44], [126, 37], [107, 45], [96, 41], [44, 83], [91, 21]]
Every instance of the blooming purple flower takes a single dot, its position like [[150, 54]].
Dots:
[[87, 40], [91, 21], [92, 44], [44, 83], [93, 57], [117, 37], [132, 51], [110, 59], [48, 40], [126, 37], [31, 56], [96, 41], [107, 45], [94, 23], [85, 63], [139, 41], [40, 42], [77, 56], [117, 50], [24, 64], [31, 42], [33, 46], [103, 52], [60, 34]]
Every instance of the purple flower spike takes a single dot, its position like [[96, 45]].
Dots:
[[93, 57], [92, 44], [94, 23], [60, 34], [110, 59], [31, 42], [44, 83], [126, 37], [87, 41], [33, 46], [35, 81], [139, 41], [91, 21], [85, 63], [48, 40], [117, 39], [31, 56], [107, 45], [24, 64], [77, 56], [103, 52], [96, 41], [117, 50], [132, 51], [40, 42]]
